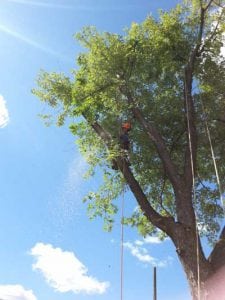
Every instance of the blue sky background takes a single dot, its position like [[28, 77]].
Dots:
[[49, 249]]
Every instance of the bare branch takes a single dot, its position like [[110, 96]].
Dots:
[[208, 5], [213, 34], [218, 4]]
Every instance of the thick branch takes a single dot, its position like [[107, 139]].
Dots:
[[164, 223], [217, 256], [184, 208], [158, 141]]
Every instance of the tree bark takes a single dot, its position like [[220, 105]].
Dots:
[[206, 277]]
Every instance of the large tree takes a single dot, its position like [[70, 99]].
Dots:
[[167, 76]]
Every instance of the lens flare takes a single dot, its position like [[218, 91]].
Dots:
[[41, 4], [33, 43], [215, 286]]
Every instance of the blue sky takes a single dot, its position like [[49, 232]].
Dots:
[[49, 249]]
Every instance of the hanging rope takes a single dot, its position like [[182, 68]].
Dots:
[[213, 155], [194, 195], [122, 246], [122, 230]]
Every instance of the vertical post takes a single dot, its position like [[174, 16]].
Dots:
[[154, 284]]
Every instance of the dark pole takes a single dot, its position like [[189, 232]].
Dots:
[[154, 284]]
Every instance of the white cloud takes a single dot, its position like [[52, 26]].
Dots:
[[152, 240], [138, 250], [4, 115], [139, 243], [64, 272], [15, 292], [140, 253]]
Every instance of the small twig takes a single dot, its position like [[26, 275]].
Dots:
[[208, 5], [213, 33], [219, 5], [161, 195], [204, 186]]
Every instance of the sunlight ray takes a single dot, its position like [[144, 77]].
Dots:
[[33, 43], [75, 6], [40, 3]]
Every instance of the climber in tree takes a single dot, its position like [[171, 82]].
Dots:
[[124, 137], [124, 142]]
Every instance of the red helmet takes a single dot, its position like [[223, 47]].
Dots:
[[126, 126]]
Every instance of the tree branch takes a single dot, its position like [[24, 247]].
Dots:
[[213, 34], [208, 5], [166, 224], [191, 149], [183, 201], [219, 5], [217, 256], [158, 141], [161, 195]]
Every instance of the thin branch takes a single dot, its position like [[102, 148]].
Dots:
[[208, 5], [174, 142], [97, 91], [219, 5], [213, 34], [204, 186], [161, 196]]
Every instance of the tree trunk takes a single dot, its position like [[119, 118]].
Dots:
[[215, 284], [195, 265], [206, 277]]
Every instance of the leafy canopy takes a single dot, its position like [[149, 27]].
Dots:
[[148, 61]]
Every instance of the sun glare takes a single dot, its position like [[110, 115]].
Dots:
[[41, 3], [31, 42]]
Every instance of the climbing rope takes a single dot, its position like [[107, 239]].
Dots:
[[122, 230], [194, 195], [122, 246], [213, 155]]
